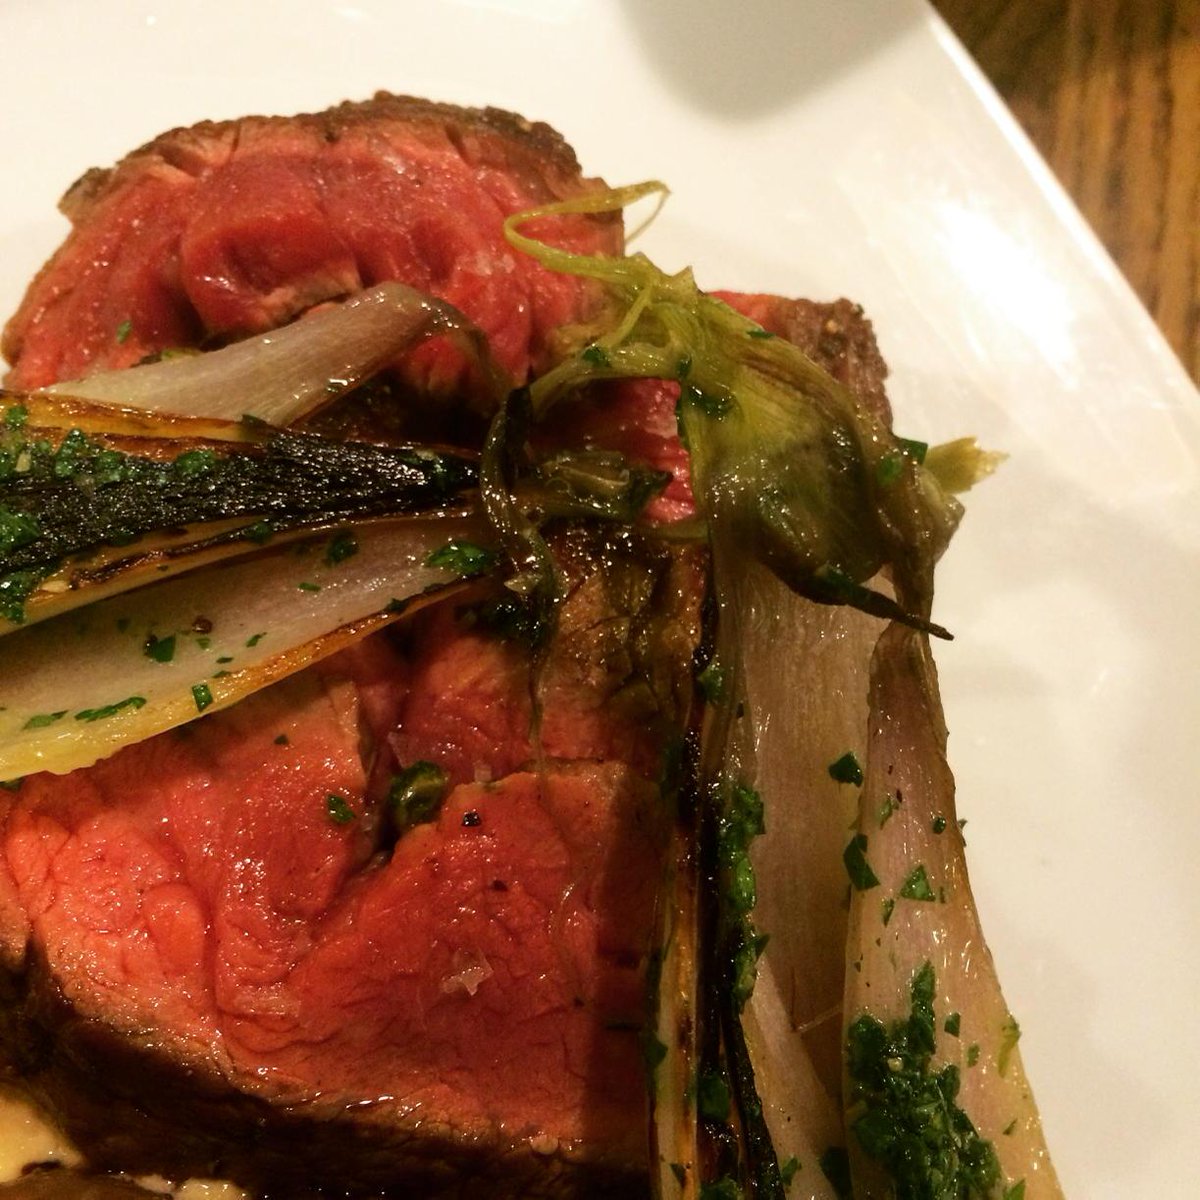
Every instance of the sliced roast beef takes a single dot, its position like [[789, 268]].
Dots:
[[217, 966], [218, 956], [225, 229]]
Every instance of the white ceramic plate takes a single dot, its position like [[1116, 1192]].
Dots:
[[821, 149]]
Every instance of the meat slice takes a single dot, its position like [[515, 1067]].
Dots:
[[226, 229], [210, 972]]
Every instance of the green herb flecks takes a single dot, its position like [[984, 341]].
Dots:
[[739, 821], [1010, 1034], [160, 649], [891, 802], [712, 682], [110, 710], [847, 769], [712, 1097], [463, 558], [416, 795], [202, 696], [725, 1188], [342, 545], [903, 1112], [42, 720], [123, 331], [338, 810], [788, 1169], [855, 857], [917, 886]]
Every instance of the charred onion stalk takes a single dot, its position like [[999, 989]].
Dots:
[[793, 474], [88, 494], [296, 371]]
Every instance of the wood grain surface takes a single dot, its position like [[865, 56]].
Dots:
[[1109, 92]]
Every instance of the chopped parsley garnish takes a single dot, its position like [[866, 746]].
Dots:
[[305, 586], [760, 333], [724, 1188], [259, 533], [939, 825], [416, 794], [653, 1050], [15, 416], [342, 545], [471, 819], [788, 1169], [712, 681], [123, 331], [903, 1110], [109, 710], [161, 650], [739, 820], [889, 469], [889, 907], [847, 769], [254, 640], [916, 886], [857, 867], [1010, 1035], [913, 448], [712, 1097], [1016, 1192], [595, 356], [193, 463], [339, 812], [711, 404], [202, 695], [462, 557], [225, 658], [1010, 1128], [953, 1024], [972, 1054], [737, 826], [41, 720], [887, 809], [16, 529]]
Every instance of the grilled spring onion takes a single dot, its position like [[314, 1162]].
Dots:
[[90, 493], [297, 370], [794, 474], [783, 458], [936, 1094], [79, 686]]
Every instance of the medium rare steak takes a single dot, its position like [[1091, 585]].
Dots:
[[226, 229], [213, 971], [221, 956]]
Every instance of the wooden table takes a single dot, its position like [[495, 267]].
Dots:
[[1109, 91]]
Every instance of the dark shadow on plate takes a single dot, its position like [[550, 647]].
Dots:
[[744, 60]]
